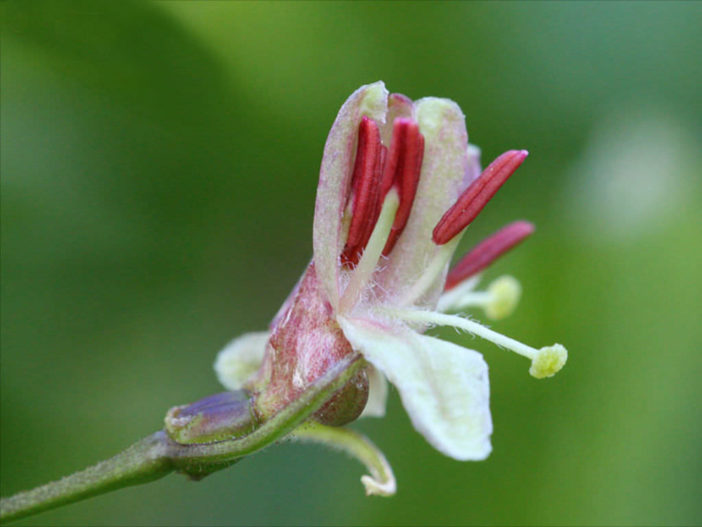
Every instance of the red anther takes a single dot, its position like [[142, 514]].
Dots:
[[402, 170], [488, 251], [476, 196], [365, 188]]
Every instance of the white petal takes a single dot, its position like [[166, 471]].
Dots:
[[334, 180], [377, 394], [240, 359], [447, 162], [473, 169], [398, 106], [444, 387]]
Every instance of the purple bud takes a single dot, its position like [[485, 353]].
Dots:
[[214, 418]]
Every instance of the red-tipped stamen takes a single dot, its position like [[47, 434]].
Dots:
[[402, 170], [365, 188], [476, 196], [488, 251]]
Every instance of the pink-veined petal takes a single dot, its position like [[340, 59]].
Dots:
[[444, 387], [445, 166], [334, 181]]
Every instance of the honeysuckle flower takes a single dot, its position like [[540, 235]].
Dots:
[[398, 185]]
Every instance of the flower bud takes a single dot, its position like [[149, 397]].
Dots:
[[214, 418]]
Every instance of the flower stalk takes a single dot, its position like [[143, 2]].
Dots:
[[144, 461], [158, 455]]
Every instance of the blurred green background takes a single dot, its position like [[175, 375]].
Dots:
[[159, 166]]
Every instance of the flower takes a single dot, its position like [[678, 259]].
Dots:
[[398, 185]]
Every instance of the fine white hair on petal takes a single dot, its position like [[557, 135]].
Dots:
[[240, 359], [444, 387], [377, 394], [334, 180]]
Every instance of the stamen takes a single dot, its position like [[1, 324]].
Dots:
[[402, 171], [499, 301], [504, 293], [455, 301], [546, 361], [488, 251], [476, 196], [460, 297], [363, 272], [365, 185]]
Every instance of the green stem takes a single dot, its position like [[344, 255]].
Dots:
[[143, 461], [156, 455]]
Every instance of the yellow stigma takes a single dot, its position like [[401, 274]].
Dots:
[[504, 293], [548, 361]]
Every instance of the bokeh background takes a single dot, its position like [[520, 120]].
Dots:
[[159, 166]]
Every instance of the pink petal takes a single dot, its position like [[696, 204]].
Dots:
[[335, 179]]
